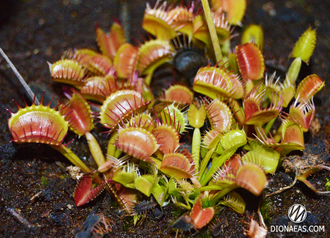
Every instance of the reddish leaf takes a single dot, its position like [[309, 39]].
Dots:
[[201, 216], [86, 190], [250, 61]]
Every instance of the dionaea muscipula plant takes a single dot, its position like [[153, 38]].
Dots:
[[232, 106]]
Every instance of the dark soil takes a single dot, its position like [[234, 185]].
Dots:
[[36, 189]]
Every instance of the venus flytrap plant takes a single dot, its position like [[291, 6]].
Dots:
[[231, 175], [234, 201], [42, 124], [129, 176], [237, 173], [253, 33], [218, 81], [182, 193], [175, 116], [151, 55], [268, 158], [67, 71], [98, 88], [234, 144], [202, 212], [167, 137], [235, 10], [140, 120], [302, 51], [305, 45], [111, 148], [119, 105], [196, 118], [308, 87], [155, 21], [220, 117], [132, 140], [126, 175], [160, 190], [231, 141], [303, 178], [78, 113], [257, 115], [87, 190], [100, 65], [126, 53], [109, 43], [145, 183], [212, 28], [302, 113], [250, 61], [178, 166], [178, 94], [327, 185], [215, 165]]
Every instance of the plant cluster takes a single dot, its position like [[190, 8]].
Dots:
[[244, 120]]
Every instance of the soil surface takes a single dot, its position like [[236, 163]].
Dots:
[[35, 187]]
